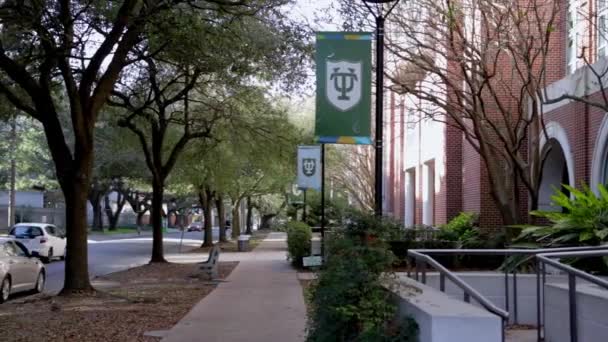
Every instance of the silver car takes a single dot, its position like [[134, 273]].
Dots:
[[19, 271]]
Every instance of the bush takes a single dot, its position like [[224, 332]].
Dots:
[[298, 241], [349, 301], [583, 221], [463, 230]]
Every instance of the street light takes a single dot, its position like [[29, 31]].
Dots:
[[379, 15]]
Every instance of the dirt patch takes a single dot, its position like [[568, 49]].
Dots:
[[232, 246], [146, 298]]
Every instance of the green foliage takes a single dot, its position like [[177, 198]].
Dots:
[[298, 241], [360, 224], [335, 209], [462, 230], [583, 221], [349, 299]]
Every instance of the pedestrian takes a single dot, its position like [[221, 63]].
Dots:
[[138, 230]]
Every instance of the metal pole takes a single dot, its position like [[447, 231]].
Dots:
[[424, 272], [538, 302], [515, 320], [507, 292], [572, 297], [379, 104], [322, 201], [304, 209]]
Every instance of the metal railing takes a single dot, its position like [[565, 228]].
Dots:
[[547, 259], [423, 258]]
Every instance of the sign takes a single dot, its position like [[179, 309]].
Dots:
[[343, 88], [312, 261], [309, 167]]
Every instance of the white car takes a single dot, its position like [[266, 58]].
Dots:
[[19, 271], [41, 239]]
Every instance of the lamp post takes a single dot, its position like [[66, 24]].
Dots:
[[380, 16]]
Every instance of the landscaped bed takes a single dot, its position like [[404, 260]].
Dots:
[[132, 302]]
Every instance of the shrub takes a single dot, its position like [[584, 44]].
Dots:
[[298, 241], [584, 220], [463, 230], [349, 301]]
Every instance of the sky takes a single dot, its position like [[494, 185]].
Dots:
[[308, 10]]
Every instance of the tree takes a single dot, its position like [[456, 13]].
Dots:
[[352, 169], [72, 50], [182, 93], [117, 187], [483, 77], [140, 202], [270, 206], [117, 164], [262, 162]]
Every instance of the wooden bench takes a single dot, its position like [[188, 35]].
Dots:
[[211, 266]]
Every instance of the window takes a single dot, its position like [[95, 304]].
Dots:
[[576, 21], [20, 248], [26, 231], [602, 25], [4, 249], [51, 230], [410, 197], [10, 249], [428, 194]]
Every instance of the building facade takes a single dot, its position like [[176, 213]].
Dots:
[[432, 172]]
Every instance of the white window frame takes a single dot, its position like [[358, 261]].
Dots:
[[575, 22], [602, 28]]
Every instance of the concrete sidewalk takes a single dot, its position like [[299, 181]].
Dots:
[[261, 301]]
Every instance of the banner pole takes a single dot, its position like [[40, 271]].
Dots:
[[323, 201], [304, 210]]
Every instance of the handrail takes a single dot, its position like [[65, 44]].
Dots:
[[464, 286], [546, 258], [543, 256], [507, 252]]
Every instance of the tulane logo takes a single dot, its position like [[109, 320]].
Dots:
[[343, 84], [309, 166]]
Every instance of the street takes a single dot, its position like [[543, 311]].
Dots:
[[109, 254]]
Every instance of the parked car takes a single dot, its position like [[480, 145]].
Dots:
[[41, 239], [19, 271], [195, 227]]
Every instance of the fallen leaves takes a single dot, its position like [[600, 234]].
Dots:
[[145, 298]]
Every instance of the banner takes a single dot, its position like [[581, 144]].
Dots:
[[343, 88], [309, 167]]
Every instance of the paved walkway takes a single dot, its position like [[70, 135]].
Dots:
[[260, 301]]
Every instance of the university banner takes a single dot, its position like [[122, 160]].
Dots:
[[343, 88], [309, 167]]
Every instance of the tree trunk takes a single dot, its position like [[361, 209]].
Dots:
[[249, 222], [13, 175], [236, 215], [219, 204], [76, 262], [113, 216], [157, 221], [505, 192], [97, 212], [204, 197], [140, 216], [265, 221]]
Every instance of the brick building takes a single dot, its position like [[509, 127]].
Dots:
[[432, 173]]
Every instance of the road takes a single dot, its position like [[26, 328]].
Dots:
[[109, 254]]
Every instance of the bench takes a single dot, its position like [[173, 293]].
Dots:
[[210, 267]]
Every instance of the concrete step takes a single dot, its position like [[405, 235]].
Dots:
[[521, 335]]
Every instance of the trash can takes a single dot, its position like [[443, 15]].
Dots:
[[243, 243]]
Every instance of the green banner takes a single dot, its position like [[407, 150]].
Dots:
[[343, 88]]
